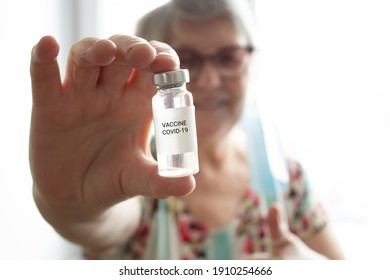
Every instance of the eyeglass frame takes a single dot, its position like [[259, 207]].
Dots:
[[201, 59]]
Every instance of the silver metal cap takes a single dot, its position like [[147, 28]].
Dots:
[[171, 77]]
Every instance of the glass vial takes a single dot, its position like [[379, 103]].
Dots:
[[174, 124]]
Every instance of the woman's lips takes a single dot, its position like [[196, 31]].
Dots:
[[210, 104]]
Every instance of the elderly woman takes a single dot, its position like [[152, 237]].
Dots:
[[95, 179]]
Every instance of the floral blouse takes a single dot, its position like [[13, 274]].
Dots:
[[245, 235]]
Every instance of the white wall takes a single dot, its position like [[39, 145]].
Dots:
[[23, 233], [324, 73]]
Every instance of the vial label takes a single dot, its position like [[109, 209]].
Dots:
[[175, 130]]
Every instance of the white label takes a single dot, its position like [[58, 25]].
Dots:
[[175, 130]]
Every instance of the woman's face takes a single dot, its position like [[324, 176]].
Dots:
[[218, 84]]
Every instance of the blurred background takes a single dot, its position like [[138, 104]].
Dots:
[[324, 74]]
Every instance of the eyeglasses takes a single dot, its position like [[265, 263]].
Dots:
[[229, 61]]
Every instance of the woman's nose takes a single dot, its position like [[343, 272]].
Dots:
[[208, 75]]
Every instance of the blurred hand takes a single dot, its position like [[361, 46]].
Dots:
[[285, 245], [89, 146]]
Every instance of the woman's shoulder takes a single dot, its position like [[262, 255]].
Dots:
[[298, 186], [295, 170], [306, 213]]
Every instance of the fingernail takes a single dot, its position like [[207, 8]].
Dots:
[[167, 54]]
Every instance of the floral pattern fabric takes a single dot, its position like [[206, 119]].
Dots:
[[306, 217]]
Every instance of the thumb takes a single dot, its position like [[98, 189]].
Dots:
[[277, 226]]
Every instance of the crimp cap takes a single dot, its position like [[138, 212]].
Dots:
[[171, 77]]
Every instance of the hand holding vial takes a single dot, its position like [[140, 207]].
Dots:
[[89, 141]]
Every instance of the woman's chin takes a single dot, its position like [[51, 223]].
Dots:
[[212, 128]]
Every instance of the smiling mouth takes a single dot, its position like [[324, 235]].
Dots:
[[211, 104]]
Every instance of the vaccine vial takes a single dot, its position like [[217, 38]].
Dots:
[[174, 125]]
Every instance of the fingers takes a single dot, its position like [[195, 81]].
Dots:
[[162, 187], [277, 227], [84, 62], [92, 61], [133, 52], [109, 63], [166, 58], [44, 70]]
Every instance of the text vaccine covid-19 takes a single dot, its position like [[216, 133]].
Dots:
[[174, 124]]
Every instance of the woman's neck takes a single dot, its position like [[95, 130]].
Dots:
[[215, 151]]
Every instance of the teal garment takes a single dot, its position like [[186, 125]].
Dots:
[[269, 180], [163, 237], [220, 244]]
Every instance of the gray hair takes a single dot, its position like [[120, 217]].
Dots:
[[156, 25]]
